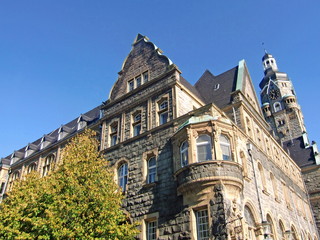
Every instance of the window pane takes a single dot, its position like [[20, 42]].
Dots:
[[136, 130], [204, 148], [152, 170], [123, 176], [130, 85], [113, 139], [151, 230], [202, 224], [145, 77], [137, 117], [163, 118], [225, 147], [184, 154], [163, 105], [138, 81]]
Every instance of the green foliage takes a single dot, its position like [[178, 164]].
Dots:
[[78, 200]]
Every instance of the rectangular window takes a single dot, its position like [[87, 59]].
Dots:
[[145, 77], [152, 170], [136, 124], [163, 118], [151, 230], [136, 130], [130, 85], [202, 221], [138, 81], [113, 134]]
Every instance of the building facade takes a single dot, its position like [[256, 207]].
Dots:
[[283, 113], [194, 162]]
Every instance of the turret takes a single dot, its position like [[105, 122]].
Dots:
[[269, 63]]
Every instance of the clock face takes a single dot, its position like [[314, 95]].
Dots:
[[274, 94]]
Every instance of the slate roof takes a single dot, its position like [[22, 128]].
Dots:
[[226, 81], [90, 117], [191, 88], [301, 155]]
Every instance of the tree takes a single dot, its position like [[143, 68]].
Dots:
[[78, 200]]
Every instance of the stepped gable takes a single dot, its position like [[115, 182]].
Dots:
[[143, 57], [217, 89]]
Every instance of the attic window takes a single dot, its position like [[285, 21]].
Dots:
[[216, 87], [130, 85], [138, 81]]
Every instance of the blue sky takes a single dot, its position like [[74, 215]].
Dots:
[[59, 59]]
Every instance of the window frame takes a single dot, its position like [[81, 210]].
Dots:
[[184, 153], [208, 145], [225, 145], [136, 123], [47, 165], [163, 111], [114, 133], [202, 227], [151, 171], [122, 176]]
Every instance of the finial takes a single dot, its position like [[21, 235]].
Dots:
[[265, 51]]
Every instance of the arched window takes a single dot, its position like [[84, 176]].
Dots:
[[277, 107], [48, 164], [152, 170], [274, 186], [271, 227], [31, 167], [123, 176], [225, 147], [282, 231], [184, 153], [294, 235], [204, 148], [250, 224], [262, 177]]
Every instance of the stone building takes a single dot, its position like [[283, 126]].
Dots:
[[194, 162], [283, 113]]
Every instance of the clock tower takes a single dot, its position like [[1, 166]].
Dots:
[[279, 102]]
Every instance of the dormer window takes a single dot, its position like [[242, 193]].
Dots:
[[81, 124]]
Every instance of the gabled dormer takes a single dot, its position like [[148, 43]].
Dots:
[[30, 148], [63, 132], [16, 156], [83, 121], [45, 141]]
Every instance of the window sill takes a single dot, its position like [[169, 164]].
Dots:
[[149, 185], [266, 192]]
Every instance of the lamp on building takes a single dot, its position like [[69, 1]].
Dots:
[[287, 235], [266, 230]]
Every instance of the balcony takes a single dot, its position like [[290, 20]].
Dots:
[[209, 173]]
